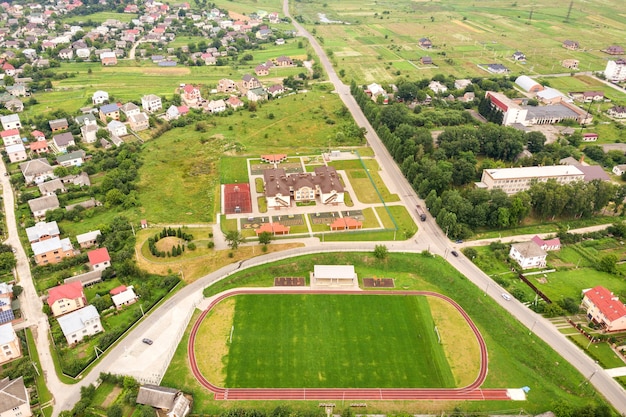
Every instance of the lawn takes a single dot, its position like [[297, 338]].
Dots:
[[285, 341]]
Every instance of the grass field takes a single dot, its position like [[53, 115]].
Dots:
[[286, 341]]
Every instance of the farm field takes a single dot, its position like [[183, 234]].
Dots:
[[284, 341], [381, 41]]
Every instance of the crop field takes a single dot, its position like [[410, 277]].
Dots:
[[284, 341], [380, 35]]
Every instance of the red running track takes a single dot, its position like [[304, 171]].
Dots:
[[470, 392]]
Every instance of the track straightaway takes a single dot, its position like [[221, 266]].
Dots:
[[470, 392]]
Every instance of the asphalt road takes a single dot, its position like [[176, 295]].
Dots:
[[429, 237]]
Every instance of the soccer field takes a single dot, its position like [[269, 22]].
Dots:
[[325, 341]]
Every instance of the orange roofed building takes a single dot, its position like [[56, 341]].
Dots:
[[346, 223], [605, 309], [66, 298], [273, 228]]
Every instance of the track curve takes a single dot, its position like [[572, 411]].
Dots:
[[469, 392]]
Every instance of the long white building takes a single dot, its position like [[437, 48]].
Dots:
[[514, 180]]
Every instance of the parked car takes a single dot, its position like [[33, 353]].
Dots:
[[147, 341]]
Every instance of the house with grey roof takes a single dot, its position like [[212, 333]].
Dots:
[[130, 108], [37, 171], [39, 206], [9, 345], [89, 239], [117, 128], [14, 400], [72, 159], [52, 187], [86, 119], [528, 255], [171, 400], [80, 323], [11, 121], [63, 141], [42, 231], [58, 125]]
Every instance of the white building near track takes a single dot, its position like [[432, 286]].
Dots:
[[334, 276]]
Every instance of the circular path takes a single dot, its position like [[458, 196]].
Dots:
[[470, 392]]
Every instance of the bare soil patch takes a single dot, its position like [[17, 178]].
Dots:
[[212, 357], [458, 340], [289, 282], [378, 283], [167, 243], [111, 397]]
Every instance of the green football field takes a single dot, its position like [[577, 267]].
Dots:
[[365, 341]]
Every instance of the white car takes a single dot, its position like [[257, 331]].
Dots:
[[506, 296]]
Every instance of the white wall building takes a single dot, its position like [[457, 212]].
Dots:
[[80, 323], [514, 180], [615, 71]]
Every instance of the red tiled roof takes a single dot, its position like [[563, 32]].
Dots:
[[606, 302], [274, 158], [272, 228], [98, 256], [37, 134], [183, 109], [40, 144], [71, 291], [10, 132], [345, 223], [118, 290]]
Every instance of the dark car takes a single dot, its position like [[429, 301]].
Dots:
[[147, 341], [455, 253], [459, 241]]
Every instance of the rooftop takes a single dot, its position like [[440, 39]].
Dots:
[[533, 172]]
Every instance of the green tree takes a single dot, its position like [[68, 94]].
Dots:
[[608, 263], [7, 261], [115, 410], [553, 310], [381, 252], [265, 238], [234, 238]]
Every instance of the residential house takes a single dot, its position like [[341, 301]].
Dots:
[[425, 43], [151, 103], [89, 133], [376, 90], [570, 63], [547, 245], [426, 60], [519, 56], [66, 53], [14, 399], [605, 309], [234, 102], [16, 153], [36, 171], [89, 239], [257, 94], [462, 84], [590, 137], [99, 97], [172, 113], [86, 120], [66, 298], [172, 401], [11, 137], [276, 90], [108, 59], [99, 259], [619, 169], [528, 255], [263, 34], [279, 41], [284, 61], [437, 87], [52, 251], [496, 68], [226, 86], [9, 350], [117, 128], [15, 105], [139, 122], [216, 106], [208, 59], [42, 231], [72, 159], [39, 206], [261, 70], [80, 324], [11, 121], [6, 295], [130, 109], [614, 50], [249, 82], [571, 45], [587, 96], [467, 97], [8, 69], [123, 296], [39, 147], [63, 141], [58, 125], [191, 94], [109, 111], [618, 112]]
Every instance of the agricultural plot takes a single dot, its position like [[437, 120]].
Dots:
[[463, 35], [284, 341]]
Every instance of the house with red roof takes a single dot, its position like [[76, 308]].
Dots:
[[99, 259], [39, 147], [346, 223], [547, 245], [191, 94], [66, 298], [273, 228], [605, 309], [123, 296], [276, 158], [11, 137]]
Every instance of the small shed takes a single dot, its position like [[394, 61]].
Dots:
[[334, 276]]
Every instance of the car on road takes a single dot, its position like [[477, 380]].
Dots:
[[459, 241], [506, 296], [147, 341], [455, 253]]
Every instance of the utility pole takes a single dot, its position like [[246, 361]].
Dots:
[[569, 10]]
